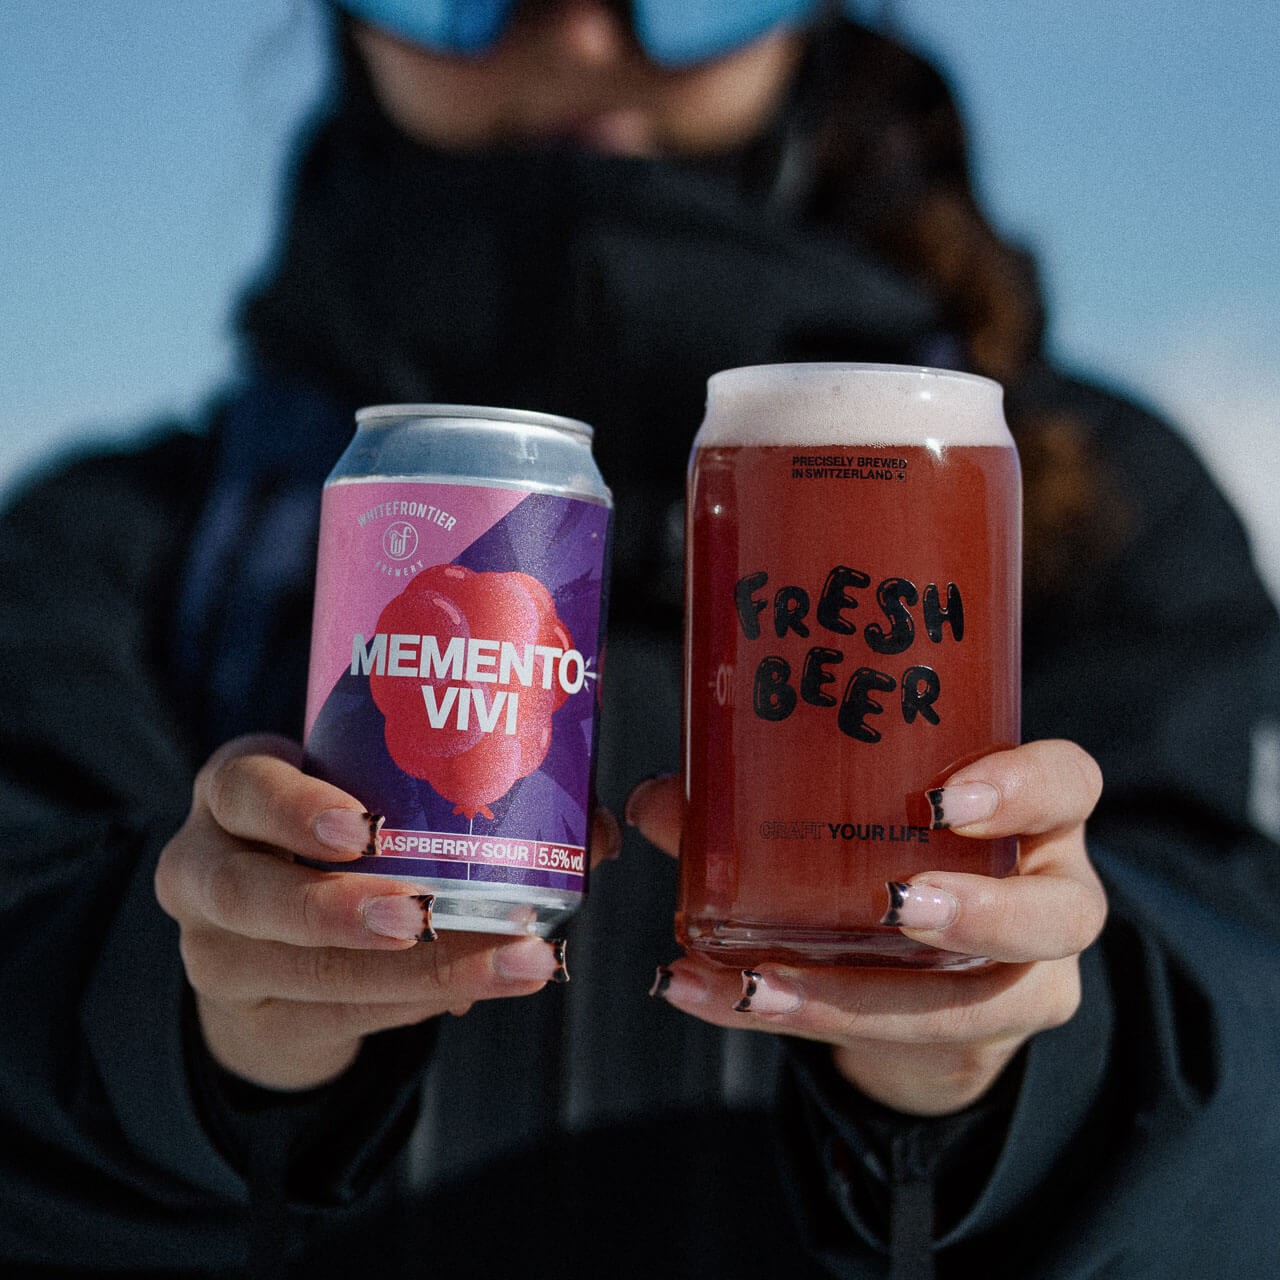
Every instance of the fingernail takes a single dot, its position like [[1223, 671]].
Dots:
[[558, 946], [630, 810], [676, 986], [532, 960], [405, 916], [959, 805], [761, 995], [428, 934], [610, 835], [348, 831], [919, 906]]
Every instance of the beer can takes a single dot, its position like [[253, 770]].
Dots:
[[852, 637], [456, 652]]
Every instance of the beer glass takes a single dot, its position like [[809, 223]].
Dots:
[[852, 605]]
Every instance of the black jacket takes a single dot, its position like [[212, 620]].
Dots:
[[590, 1130]]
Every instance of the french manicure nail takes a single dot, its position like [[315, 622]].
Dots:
[[678, 987], [404, 916], [428, 934], [561, 973], [348, 831], [532, 960], [962, 804], [919, 906], [766, 995]]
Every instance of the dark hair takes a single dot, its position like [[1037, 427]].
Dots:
[[891, 168]]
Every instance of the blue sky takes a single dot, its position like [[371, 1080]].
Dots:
[[1135, 147]]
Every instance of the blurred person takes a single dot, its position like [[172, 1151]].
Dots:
[[218, 1061]]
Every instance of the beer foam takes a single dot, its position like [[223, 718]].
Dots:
[[863, 404]]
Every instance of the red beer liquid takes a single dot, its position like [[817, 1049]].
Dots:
[[810, 745]]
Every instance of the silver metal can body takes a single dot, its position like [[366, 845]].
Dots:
[[456, 649]]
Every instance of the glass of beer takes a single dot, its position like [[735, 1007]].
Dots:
[[852, 637]]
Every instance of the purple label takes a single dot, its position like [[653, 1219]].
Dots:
[[454, 681]]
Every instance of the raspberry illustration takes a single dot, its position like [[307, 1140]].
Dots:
[[483, 663]]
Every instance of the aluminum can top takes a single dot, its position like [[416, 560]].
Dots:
[[474, 444], [376, 414]]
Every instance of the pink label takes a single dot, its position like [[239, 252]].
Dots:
[[455, 668], [374, 537]]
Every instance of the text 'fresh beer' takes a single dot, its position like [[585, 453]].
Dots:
[[774, 696]]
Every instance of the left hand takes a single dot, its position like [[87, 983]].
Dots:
[[929, 1043]]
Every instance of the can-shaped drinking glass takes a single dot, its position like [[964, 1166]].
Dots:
[[852, 637], [456, 650]]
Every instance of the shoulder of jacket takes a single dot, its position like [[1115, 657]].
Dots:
[[114, 516], [165, 469], [1136, 435]]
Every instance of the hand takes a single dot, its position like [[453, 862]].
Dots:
[[929, 1043], [291, 966]]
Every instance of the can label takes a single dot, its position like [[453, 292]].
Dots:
[[454, 684]]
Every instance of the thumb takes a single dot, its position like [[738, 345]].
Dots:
[[655, 808]]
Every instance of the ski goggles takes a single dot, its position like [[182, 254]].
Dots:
[[671, 32]]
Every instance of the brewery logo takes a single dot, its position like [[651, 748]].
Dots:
[[400, 540]]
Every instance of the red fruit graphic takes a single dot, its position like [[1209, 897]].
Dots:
[[472, 766]]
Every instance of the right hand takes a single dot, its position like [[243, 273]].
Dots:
[[292, 966]]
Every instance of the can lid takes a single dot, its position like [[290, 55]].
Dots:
[[378, 413]]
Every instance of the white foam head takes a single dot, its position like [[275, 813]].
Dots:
[[863, 404]]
